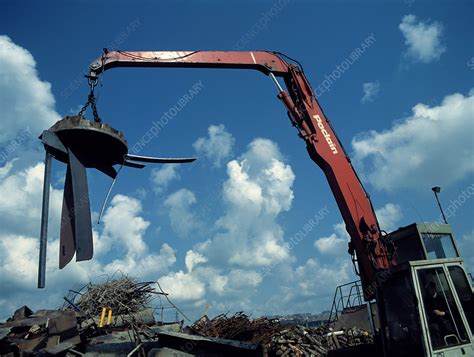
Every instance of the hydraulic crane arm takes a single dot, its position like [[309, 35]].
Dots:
[[263, 61], [372, 249]]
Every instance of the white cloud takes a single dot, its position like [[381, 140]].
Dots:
[[192, 287], [183, 286], [247, 235], [5, 170], [328, 277], [122, 222], [432, 147], [261, 178], [161, 177], [143, 266], [423, 39], [19, 253], [192, 258], [26, 102], [183, 220], [217, 147], [19, 259], [311, 286], [336, 243], [389, 216], [217, 282], [257, 190], [20, 206], [371, 90], [240, 279], [125, 229]]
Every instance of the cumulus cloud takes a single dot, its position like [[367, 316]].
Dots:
[[336, 243], [422, 38], [389, 216], [431, 147], [239, 279], [19, 259], [329, 276], [371, 90], [311, 286], [161, 177], [125, 229], [247, 235], [183, 221], [217, 147], [194, 286], [20, 206], [183, 286], [122, 221], [192, 258], [258, 189], [142, 266], [26, 101], [5, 170]]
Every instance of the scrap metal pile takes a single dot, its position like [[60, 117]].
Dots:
[[97, 319], [122, 296], [300, 341], [115, 318], [280, 340], [237, 327]]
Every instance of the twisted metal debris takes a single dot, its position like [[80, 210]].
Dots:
[[277, 339], [123, 296], [134, 331], [237, 327]]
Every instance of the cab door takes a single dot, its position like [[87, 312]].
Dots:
[[445, 307]]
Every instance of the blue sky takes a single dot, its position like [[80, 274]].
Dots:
[[207, 231]]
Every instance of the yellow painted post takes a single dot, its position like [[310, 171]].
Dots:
[[102, 317], [109, 317]]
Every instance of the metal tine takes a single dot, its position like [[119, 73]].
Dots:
[[108, 194], [82, 211], [44, 221], [67, 239], [160, 160]]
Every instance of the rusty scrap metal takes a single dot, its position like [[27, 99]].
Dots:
[[278, 339], [66, 331], [123, 296], [237, 327], [133, 328]]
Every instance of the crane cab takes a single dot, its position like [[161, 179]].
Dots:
[[424, 241], [426, 302]]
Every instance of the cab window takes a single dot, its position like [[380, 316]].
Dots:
[[464, 291], [446, 327]]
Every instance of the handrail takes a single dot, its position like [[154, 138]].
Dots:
[[346, 296]]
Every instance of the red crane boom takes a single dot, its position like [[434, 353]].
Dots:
[[373, 251]]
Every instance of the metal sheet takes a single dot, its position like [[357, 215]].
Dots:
[[67, 241], [82, 211]]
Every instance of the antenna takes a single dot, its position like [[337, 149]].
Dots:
[[437, 190]]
